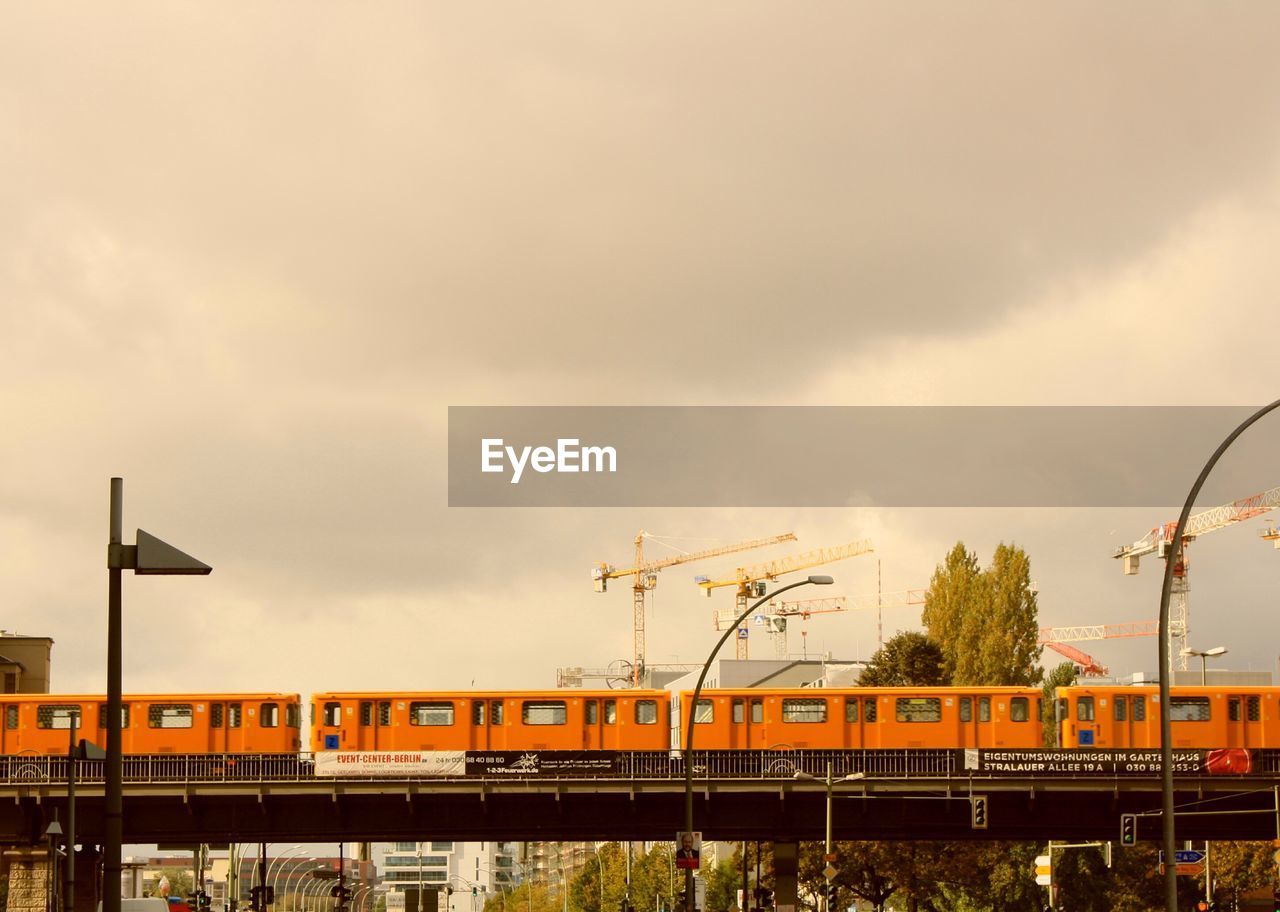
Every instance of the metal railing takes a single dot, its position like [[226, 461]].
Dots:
[[17, 769]]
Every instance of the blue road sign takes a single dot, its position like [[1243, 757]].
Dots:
[[1185, 856]]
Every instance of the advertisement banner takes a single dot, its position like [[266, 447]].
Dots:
[[390, 763], [541, 763], [1223, 762]]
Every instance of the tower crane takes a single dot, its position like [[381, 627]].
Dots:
[[1057, 638], [750, 581], [1159, 541], [644, 576], [776, 615]]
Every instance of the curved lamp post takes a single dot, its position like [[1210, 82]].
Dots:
[[291, 871], [274, 865], [1166, 731], [693, 715]]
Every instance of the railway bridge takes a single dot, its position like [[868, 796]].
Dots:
[[911, 795]]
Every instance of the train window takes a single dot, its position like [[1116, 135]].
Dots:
[[646, 712], [739, 710], [704, 713], [544, 712], [966, 709], [49, 716], [233, 715], [1139, 709], [333, 714], [984, 709], [610, 712], [269, 715], [851, 710], [1084, 709], [1120, 708], [215, 715], [593, 712], [1019, 709], [495, 712], [384, 713], [757, 711], [366, 712], [11, 717], [919, 709], [1254, 709], [169, 715], [431, 712], [477, 712], [1189, 709], [102, 715], [869, 709], [804, 710], [292, 715], [1233, 710]]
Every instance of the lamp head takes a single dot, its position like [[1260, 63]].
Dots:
[[821, 580]]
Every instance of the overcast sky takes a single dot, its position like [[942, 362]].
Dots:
[[250, 254]]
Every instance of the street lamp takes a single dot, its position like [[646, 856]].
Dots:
[[291, 871], [274, 864], [1206, 654], [149, 556], [1166, 730], [831, 784], [600, 862], [693, 714]]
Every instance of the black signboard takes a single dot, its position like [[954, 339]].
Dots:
[[1075, 762], [541, 763]]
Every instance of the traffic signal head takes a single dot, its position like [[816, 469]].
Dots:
[[978, 804], [1128, 829], [832, 891]]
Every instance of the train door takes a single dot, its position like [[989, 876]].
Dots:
[[967, 721], [1122, 720], [871, 737], [592, 737], [478, 728], [217, 727], [1244, 721], [9, 730]]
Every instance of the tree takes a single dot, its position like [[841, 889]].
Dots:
[[984, 621], [907, 659], [948, 602], [1241, 866], [584, 890], [1064, 675]]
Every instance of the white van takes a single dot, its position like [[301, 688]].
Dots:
[[142, 904]]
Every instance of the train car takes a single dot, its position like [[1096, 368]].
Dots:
[[243, 723], [496, 720], [1111, 716], [865, 717]]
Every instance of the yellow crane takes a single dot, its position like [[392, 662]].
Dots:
[[750, 581], [644, 576]]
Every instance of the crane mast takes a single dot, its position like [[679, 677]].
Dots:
[[750, 581], [1159, 541], [644, 576]]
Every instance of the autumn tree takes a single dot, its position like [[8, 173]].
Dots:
[[953, 592], [985, 621]]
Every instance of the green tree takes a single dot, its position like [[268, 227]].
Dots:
[[1063, 675], [520, 898], [584, 890], [1240, 866], [984, 620], [952, 590], [180, 881], [908, 658]]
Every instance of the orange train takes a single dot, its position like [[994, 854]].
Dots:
[[1113, 717], [650, 720], [634, 720], [249, 723]]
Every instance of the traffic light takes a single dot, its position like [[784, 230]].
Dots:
[[1128, 829], [832, 891], [978, 805]]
